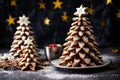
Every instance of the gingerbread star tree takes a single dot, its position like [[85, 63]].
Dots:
[[24, 47], [81, 48]]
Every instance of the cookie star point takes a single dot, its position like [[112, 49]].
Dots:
[[28, 41]]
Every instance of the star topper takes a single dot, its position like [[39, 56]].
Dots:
[[80, 11], [23, 20]]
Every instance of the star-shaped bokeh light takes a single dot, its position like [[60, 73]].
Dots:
[[64, 17], [10, 20], [90, 10], [13, 3], [41, 5], [115, 50], [47, 21], [57, 4], [118, 14], [108, 2], [102, 23]]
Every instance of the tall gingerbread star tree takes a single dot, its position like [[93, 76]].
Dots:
[[81, 48], [24, 47]]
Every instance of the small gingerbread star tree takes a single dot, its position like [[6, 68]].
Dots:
[[24, 47], [81, 48]]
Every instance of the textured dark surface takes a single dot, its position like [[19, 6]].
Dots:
[[49, 73], [111, 72]]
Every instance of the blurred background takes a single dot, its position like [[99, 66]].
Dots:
[[51, 20]]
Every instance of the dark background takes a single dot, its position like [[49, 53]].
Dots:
[[107, 36]]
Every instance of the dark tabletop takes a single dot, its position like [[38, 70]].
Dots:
[[110, 72]]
